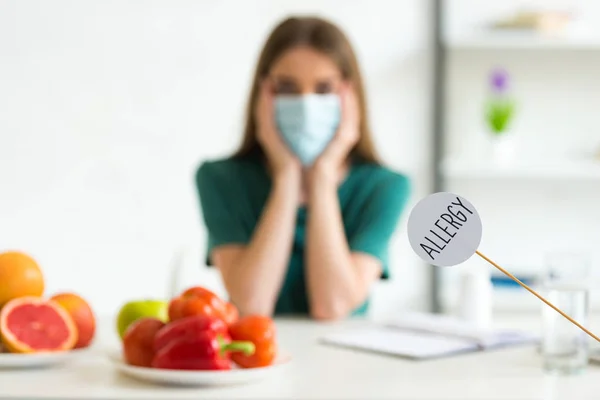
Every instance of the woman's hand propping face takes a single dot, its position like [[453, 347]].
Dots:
[[348, 133], [280, 158]]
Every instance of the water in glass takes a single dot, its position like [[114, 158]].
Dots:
[[564, 345]]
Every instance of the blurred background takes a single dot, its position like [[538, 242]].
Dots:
[[107, 108]]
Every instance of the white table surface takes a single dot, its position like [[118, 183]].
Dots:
[[322, 372]]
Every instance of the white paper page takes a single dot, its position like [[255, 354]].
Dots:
[[454, 327], [400, 343]]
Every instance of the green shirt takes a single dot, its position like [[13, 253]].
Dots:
[[233, 193]]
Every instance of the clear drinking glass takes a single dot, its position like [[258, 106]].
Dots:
[[564, 283]]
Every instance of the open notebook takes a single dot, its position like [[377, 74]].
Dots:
[[425, 336]]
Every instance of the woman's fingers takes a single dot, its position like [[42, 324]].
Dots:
[[348, 128], [263, 113], [347, 134], [268, 112], [267, 116], [351, 105]]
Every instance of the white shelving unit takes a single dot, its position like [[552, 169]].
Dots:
[[549, 169], [500, 40], [467, 171], [512, 300]]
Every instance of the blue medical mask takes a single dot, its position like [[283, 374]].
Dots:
[[307, 123]]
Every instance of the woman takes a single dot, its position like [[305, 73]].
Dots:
[[299, 219]]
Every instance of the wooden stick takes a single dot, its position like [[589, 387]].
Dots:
[[511, 276]]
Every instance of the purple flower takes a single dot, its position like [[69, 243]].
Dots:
[[499, 80]]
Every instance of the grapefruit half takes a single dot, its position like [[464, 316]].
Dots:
[[34, 325]]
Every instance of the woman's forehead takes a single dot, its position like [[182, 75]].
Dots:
[[305, 63]]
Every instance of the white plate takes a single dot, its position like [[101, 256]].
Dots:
[[38, 360], [198, 378]]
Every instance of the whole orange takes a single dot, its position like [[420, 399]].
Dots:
[[261, 331], [82, 314], [20, 276], [197, 300]]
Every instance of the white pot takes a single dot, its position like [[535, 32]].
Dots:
[[476, 298], [503, 148]]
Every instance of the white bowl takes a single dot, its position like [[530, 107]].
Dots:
[[234, 376], [39, 360]]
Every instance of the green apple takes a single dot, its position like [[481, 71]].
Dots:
[[134, 310]]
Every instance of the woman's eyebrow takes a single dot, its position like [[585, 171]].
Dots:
[[330, 78], [283, 77]]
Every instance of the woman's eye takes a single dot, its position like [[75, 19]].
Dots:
[[324, 88], [286, 88]]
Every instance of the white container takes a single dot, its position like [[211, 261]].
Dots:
[[503, 148], [475, 304]]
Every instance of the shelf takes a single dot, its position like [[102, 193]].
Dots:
[[522, 300], [514, 300], [457, 167], [486, 40]]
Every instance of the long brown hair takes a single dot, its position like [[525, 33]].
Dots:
[[324, 37]]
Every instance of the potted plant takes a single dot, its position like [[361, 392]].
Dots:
[[499, 114]]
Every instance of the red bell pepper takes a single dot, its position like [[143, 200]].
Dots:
[[206, 351], [259, 330], [188, 327]]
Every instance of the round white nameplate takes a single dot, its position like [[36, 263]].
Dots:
[[444, 229]]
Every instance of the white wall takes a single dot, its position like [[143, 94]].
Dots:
[[558, 93], [106, 108]]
